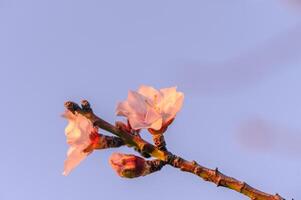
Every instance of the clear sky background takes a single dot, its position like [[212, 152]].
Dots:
[[238, 63]]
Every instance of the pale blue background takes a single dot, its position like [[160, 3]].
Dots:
[[234, 60]]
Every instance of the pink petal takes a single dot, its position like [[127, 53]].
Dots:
[[168, 91], [171, 110], [137, 123], [157, 125], [123, 109], [154, 119], [146, 121], [172, 103], [137, 102], [74, 157], [116, 161], [148, 91], [68, 115]]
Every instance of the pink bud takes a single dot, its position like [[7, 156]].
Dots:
[[127, 165]]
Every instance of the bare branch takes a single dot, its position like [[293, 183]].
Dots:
[[166, 157]]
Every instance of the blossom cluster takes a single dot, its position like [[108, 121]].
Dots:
[[146, 108]]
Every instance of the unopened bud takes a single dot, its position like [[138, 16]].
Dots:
[[131, 166], [127, 165]]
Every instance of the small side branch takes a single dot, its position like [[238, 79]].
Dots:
[[100, 141], [159, 142], [106, 142], [153, 166]]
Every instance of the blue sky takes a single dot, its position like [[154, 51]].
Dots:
[[236, 62]]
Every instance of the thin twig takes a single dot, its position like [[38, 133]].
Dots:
[[211, 175]]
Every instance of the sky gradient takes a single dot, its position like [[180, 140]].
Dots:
[[238, 63]]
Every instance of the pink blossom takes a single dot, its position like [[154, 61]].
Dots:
[[151, 108], [77, 133]]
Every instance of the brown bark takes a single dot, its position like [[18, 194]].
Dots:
[[215, 176], [159, 142]]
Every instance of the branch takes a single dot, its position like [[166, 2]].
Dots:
[[106, 142], [193, 167], [215, 176], [159, 142]]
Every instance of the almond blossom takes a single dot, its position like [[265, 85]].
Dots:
[[78, 134], [151, 108]]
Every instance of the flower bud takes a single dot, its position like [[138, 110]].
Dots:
[[127, 165]]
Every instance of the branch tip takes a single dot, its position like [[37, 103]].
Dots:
[[86, 105], [71, 106]]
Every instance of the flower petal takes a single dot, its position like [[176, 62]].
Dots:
[[172, 103], [173, 110], [154, 119], [77, 134], [74, 157], [123, 109], [137, 102], [68, 115], [136, 123], [157, 125], [147, 91]]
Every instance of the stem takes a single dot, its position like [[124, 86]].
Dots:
[[106, 142], [153, 166], [193, 167], [215, 176], [159, 142]]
